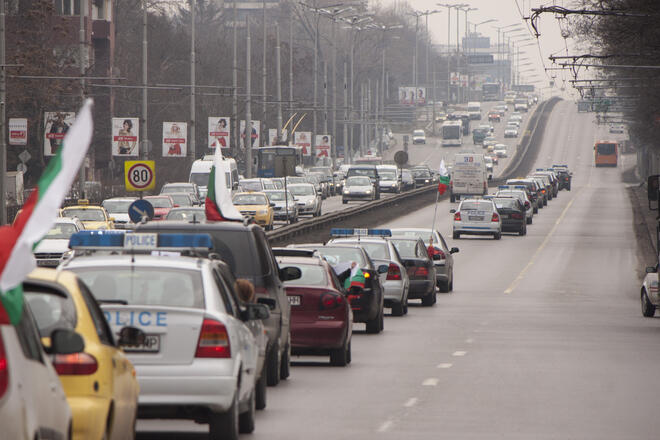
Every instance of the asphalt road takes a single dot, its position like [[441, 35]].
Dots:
[[542, 337]]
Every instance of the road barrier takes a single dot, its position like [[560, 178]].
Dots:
[[379, 211]]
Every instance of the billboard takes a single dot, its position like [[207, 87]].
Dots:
[[56, 124], [272, 137], [412, 96], [219, 132], [18, 131], [481, 59], [303, 139], [256, 133], [322, 145], [125, 135], [175, 139]]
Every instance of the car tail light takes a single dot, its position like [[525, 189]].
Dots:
[[543, 191], [330, 300], [517, 216], [495, 218], [393, 272], [421, 272], [75, 364], [213, 340], [527, 205], [457, 216]]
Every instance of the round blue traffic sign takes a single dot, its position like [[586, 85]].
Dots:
[[139, 209]]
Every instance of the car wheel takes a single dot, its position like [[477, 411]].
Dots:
[[224, 426], [285, 365], [456, 235], [523, 230], [339, 356], [348, 353], [535, 210], [273, 367], [497, 235], [405, 308], [443, 286], [397, 309], [648, 309], [529, 220], [451, 283], [260, 388], [374, 325], [246, 419], [429, 299]]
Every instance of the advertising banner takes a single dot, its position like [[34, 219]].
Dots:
[[175, 139], [256, 134], [125, 136], [464, 80], [272, 137], [17, 131], [420, 97], [303, 139], [219, 132], [453, 78], [322, 145], [407, 95], [56, 124]]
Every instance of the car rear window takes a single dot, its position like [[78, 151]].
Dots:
[[312, 275], [476, 206], [336, 255], [136, 285], [406, 248], [506, 203], [374, 250], [49, 309]]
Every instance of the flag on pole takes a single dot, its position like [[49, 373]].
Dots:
[[444, 178], [218, 205], [39, 213]]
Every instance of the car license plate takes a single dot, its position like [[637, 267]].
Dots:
[[475, 218], [504, 215], [151, 344], [294, 300]]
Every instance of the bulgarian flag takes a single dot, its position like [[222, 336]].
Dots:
[[444, 178], [39, 213], [218, 205]]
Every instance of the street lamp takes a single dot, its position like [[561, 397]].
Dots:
[[449, 8], [466, 48], [418, 14]]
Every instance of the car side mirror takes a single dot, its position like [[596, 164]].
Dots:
[[653, 184], [65, 341], [270, 302], [255, 312], [383, 268], [452, 211], [272, 205], [290, 273], [651, 269], [131, 336]]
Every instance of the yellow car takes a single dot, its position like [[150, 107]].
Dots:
[[99, 383], [255, 205], [91, 216]]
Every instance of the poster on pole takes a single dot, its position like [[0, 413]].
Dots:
[[256, 136], [420, 96], [303, 139], [407, 95], [219, 132], [56, 124], [18, 131], [453, 78], [273, 139], [322, 145], [464, 80], [175, 139], [125, 136]]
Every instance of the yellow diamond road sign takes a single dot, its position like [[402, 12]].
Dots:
[[139, 175]]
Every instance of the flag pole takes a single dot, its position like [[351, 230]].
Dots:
[[435, 212]]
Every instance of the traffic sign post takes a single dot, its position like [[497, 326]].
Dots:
[[139, 210], [139, 175]]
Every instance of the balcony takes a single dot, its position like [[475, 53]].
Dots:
[[101, 30]]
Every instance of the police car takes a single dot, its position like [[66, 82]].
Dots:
[[649, 293], [199, 359]]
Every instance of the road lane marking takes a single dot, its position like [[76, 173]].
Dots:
[[469, 341], [459, 353], [521, 275], [430, 382], [411, 402], [385, 426], [445, 365]]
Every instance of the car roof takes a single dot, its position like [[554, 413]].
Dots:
[[312, 261], [137, 260]]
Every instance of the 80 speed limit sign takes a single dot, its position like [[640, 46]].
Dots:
[[139, 175]]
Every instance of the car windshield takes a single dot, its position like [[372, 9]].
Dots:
[[160, 202], [336, 255], [358, 181], [312, 275], [201, 179], [117, 206], [406, 248], [61, 231], [374, 250], [476, 206], [278, 196], [361, 172], [418, 133], [168, 189], [302, 190], [506, 203], [421, 173], [85, 215], [138, 285], [186, 214], [387, 175], [250, 199], [181, 199], [50, 311]]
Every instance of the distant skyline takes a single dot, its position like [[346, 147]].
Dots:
[[506, 12]]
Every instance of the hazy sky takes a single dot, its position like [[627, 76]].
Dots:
[[506, 12]]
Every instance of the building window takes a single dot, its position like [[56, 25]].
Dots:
[[67, 7]]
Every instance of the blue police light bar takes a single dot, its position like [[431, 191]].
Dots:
[[559, 166], [520, 186], [131, 241], [540, 169], [504, 187], [352, 232]]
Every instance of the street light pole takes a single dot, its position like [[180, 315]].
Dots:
[[248, 103], [3, 127], [192, 82], [144, 129], [83, 60], [278, 85]]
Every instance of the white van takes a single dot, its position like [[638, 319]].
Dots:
[[201, 168], [474, 111], [468, 176]]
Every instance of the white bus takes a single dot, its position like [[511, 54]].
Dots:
[[452, 133], [474, 111]]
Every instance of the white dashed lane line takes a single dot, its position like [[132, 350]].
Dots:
[[430, 382], [385, 426], [459, 353], [445, 365], [411, 402]]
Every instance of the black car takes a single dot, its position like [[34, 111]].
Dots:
[[407, 181], [564, 176], [246, 250], [422, 175], [420, 269], [366, 170], [367, 303], [512, 214]]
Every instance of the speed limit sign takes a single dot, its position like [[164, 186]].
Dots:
[[139, 175]]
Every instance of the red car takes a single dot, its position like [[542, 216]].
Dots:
[[321, 315], [162, 205], [494, 117]]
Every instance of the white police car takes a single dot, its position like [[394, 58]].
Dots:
[[198, 359], [649, 293], [477, 217]]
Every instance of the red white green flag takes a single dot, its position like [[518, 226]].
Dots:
[[218, 205], [39, 213], [443, 183]]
